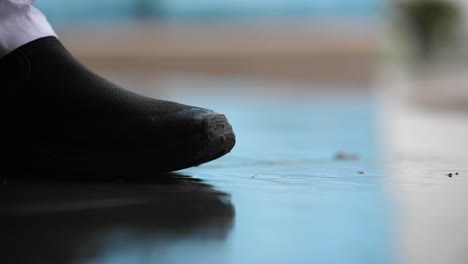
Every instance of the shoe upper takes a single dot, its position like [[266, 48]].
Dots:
[[53, 98]]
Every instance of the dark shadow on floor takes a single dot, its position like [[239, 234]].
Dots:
[[71, 221]]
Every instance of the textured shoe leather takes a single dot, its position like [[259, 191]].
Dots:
[[61, 116]]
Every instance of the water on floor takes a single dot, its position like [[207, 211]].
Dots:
[[281, 196]]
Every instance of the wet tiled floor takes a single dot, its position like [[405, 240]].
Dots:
[[280, 196]]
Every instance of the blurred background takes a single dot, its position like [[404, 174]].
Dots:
[[294, 41], [350, 115], [143, 43]]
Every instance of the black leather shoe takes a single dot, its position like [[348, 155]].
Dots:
[[59, 116]]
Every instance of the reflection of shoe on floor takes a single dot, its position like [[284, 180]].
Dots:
[[61, 116]]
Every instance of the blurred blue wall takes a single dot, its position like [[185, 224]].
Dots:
[[85, 10]]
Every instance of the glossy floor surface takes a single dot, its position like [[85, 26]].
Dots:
[[281, 196]]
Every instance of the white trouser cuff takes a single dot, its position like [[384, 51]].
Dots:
[[20, 23]]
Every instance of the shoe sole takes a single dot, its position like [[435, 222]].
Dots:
[[215, 138]]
